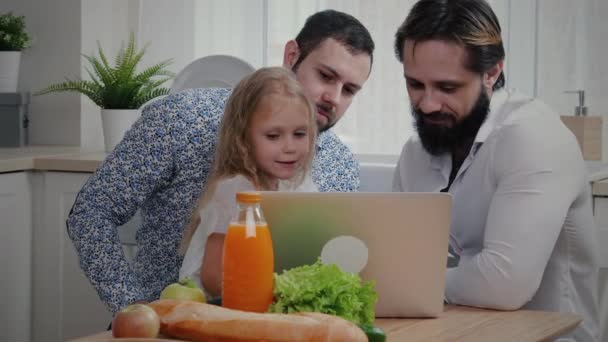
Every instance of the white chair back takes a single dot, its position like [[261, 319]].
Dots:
[[221, 71]]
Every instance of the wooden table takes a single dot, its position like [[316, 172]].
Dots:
[[459, 323]]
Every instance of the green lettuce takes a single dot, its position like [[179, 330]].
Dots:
[[326, 289]]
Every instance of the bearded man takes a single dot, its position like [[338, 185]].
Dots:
[[522, 223]]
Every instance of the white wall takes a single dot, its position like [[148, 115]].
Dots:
[[571, 55], [55, 53], [167, 28], [245, 20], [109, 23], [65, 29]]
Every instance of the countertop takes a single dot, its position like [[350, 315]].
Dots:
[[50, 158], [76, 159], [600, 187]]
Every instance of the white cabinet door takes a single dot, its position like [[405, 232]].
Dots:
[[600, 211], [65, 305], [15, 256]]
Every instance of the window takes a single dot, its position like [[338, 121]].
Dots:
[[378, 121], [548, 51]]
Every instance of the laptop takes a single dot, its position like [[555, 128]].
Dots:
[[398, 240]]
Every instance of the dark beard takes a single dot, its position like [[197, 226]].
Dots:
[[326, 127], [439, 139]]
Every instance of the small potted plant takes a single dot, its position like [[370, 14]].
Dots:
[[119, 90], [13, 40]]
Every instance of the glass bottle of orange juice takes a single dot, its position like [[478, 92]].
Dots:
[[247, 279]]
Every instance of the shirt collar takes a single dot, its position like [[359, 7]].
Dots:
[[492, 120], [321, 137]]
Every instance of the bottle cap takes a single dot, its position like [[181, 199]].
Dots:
[[248, 197]]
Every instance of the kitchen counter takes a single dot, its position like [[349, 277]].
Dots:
[[76, 159], [50, 158], [600, 187], [458, 323]]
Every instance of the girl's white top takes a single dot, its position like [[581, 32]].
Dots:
[[216, 215]]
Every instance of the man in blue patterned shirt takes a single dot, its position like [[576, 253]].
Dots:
[[163, 162]]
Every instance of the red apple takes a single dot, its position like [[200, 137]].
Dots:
[[136, 320]]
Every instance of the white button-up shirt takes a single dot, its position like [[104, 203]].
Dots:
[[522, 221]]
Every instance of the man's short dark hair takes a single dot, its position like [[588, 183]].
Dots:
[[470, 23], [340, 26]]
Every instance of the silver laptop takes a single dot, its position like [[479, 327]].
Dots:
[[399, 240]]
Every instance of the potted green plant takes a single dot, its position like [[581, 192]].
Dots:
[[119, 90], [13, 40]]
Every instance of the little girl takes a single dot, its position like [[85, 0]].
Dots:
[[266, 142]]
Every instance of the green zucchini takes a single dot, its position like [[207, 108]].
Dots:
[[374, 334]]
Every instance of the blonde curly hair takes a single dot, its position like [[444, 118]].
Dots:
[[234, 152]]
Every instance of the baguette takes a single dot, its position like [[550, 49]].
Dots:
[[194, 321]]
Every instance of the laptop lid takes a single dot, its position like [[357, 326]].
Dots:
[[399, 240]]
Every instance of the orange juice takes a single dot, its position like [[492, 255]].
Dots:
[[247, 282]]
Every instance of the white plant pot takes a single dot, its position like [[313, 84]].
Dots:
[[9, 71], [115, 123]]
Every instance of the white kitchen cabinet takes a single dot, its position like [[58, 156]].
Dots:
[[600, 211], [15, 256], [65, 305]]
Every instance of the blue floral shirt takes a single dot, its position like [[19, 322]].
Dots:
[[160, 167]]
